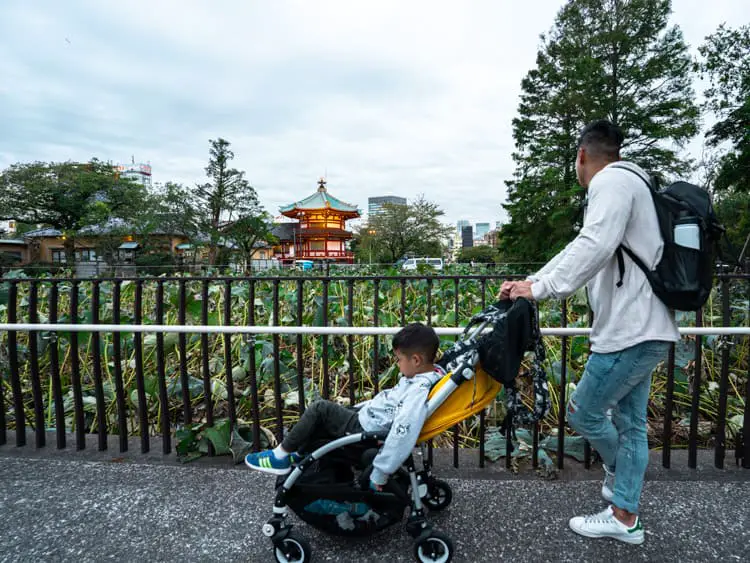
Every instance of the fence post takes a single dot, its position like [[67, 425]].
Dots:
[[376, 339], [3, 423], [228, 354], [139, 380], [326, 380], [76, 371], [482, 417], [667, 437], [561, 402], [300, 349], [207, 393], [119, 388], [720, 448], [350, 340], [160, 372], [276, 365], [182, 344], [15, 379], [253, 369], [586, 444], [36, 385], [55, 370], [456, 311], [693, 437], [746, 416], [101, 409]]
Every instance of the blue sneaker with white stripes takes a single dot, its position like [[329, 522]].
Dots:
[[266, 462]]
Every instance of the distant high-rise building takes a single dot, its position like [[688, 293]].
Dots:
[[481, 230], [467, 237], [375, 204], [140, 173], [461, 224]]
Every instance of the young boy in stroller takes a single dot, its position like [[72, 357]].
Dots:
[[352, 472], [399, 411]]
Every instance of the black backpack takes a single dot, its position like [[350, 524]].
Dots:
[[500, 351], [684, 276]]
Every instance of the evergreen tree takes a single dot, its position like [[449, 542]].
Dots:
[[612, 59], [227, 197], [726, 62]]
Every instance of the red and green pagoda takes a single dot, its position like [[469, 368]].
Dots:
[[320, 232]]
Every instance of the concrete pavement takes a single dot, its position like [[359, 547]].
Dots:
[[68, 505]]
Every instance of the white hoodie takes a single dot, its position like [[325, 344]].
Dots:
[[401, 410], [620, 210]]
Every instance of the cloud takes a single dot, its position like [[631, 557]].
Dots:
[[398, 98]]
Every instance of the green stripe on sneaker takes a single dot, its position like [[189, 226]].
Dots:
[[638, 526]]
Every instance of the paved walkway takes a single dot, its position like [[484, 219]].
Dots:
[[103, 506]]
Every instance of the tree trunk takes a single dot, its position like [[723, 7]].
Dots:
[[70, 253], [212, 252]]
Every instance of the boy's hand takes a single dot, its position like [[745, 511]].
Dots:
[[376, 487]]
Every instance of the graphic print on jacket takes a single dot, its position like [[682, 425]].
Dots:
[[403, 408]]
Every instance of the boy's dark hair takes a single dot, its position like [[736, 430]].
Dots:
[[416, 338], [602, 139]]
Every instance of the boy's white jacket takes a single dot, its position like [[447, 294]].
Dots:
[[402, 411]]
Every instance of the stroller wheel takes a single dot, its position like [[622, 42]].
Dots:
[[439, 496], [292, 549], [435, 548]]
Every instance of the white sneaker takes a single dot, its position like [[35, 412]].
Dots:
[[608, 486], [605, 525]]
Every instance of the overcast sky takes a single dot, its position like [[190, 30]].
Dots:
[[385, 98]]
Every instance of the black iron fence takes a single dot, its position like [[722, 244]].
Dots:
[[176, 385]]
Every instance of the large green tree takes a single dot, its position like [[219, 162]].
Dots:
[[733, 210], [400, 229], [67, 196], [172, 209], [247, 233], [613, 59], [226, 197], [725, 61], [479, 254]]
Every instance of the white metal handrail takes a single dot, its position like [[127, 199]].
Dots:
[[315, 330]]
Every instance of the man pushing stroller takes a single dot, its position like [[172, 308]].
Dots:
[[400, 410]]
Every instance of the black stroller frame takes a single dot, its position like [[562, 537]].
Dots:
[[407, 488]]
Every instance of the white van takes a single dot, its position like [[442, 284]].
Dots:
[[413, 263]]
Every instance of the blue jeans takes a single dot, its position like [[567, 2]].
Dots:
[[619, 381]]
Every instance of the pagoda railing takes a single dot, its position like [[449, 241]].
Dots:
[[324, 254]]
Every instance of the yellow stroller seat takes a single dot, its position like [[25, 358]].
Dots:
[[467, 400]]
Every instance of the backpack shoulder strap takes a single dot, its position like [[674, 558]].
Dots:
[[630, 253], [633, 257], [647, 180]]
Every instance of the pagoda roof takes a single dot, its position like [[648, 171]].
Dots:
[[321, 199]]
